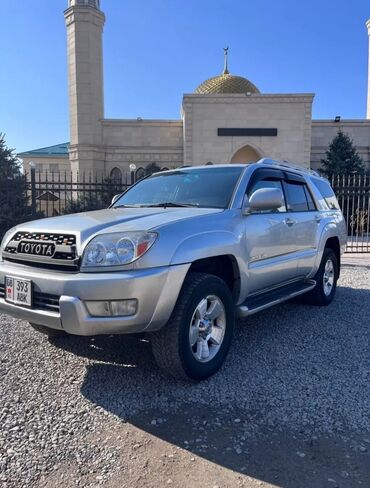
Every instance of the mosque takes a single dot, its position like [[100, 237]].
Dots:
[[226, 120]]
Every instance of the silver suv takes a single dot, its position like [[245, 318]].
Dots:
[[179, 255]]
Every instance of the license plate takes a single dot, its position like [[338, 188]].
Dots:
[[18, 292]]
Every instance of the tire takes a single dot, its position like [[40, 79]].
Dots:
[[321, 295], [51, 333], [172, 345]]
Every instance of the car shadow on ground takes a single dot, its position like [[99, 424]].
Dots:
[[289, 407]]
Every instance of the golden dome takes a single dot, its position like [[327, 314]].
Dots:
[[227, 83]]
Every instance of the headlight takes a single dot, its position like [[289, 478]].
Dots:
[[5, 241], [117, 249]]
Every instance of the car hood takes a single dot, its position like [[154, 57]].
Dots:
[[87, 224]]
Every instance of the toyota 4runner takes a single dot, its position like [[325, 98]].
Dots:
[[179, 255]]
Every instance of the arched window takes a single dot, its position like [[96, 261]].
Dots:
[[116, 175], [139, 174]]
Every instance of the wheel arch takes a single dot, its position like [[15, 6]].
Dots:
[[224, 266], [327, 238]]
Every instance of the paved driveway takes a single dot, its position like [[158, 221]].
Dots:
[[289, 409]]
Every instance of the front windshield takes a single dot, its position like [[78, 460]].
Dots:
[[201, 187]]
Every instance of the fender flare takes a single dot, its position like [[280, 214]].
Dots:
[[206, 245], [329, 230]]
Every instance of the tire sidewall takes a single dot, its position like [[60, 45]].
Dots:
[[193, 368], [328, 254]]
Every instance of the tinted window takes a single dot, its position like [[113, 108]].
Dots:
[[326, 192], [296, 197], [268, 184], [202, 187]]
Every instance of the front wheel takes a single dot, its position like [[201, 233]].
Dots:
[[326, 280], [194, 343]]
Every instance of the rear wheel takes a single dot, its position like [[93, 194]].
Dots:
[[326, 280], [51, 333], [196, 340]]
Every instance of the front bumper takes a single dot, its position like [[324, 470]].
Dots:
[[156, 290]]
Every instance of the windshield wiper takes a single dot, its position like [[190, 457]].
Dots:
[[171, 204], [127, 206]]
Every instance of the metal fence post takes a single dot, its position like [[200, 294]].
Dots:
[[33, 190]]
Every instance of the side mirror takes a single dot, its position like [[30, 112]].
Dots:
[[264, 199], [115, 198]]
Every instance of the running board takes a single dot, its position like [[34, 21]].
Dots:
[[259, 302]]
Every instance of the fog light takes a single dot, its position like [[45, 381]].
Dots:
[[123, 307], [98, 309], [115, 308]]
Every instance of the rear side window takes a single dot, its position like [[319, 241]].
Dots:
[[296, 197], [327, 193]]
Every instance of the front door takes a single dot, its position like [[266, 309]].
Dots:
[[271, 255]]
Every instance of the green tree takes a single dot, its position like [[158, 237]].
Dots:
[[14, 207], [342, 157]]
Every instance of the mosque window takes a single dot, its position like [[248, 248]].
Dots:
[[116, 175]]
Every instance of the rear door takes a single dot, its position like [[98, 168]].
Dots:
[[302, 221]]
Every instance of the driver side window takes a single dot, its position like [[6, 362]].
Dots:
[[268, 183]]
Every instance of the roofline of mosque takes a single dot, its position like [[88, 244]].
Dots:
[[139, 120], [352, 122], [249, 95]]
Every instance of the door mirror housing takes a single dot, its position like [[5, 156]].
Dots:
[[264, 199]]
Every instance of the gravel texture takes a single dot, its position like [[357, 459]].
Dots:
[[291, 406]]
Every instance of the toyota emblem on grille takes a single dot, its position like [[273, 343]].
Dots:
[[37, 248]]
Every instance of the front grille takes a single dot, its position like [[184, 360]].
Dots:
[[51, 250], [41, 301], [45, 301]]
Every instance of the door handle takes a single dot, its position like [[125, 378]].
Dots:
[[290, 222]]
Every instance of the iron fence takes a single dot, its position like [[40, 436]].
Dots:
[[60, 193], [353, 194], [63, 192]]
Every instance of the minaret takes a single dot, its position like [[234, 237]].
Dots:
[[85, 21], [368, 76]]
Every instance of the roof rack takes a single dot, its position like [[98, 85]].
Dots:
[[286, 164]]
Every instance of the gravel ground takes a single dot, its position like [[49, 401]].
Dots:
[[290, 408]]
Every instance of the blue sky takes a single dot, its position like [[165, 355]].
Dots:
[[156, 50]]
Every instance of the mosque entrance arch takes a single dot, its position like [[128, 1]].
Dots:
[[246, 154]]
